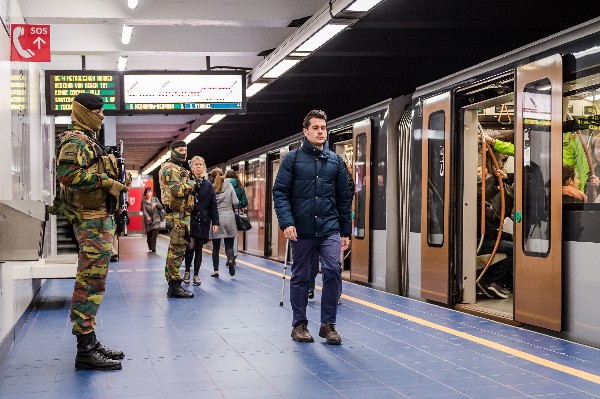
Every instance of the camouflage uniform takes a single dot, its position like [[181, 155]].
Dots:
[[181, 189], [81, 185]]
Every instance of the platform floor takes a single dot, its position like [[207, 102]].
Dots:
[[232, 340]]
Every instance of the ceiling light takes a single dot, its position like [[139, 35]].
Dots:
[[363, 5], [299, 54], [191, 137], [215, 118], [202, 128], [122, 62], [255, 88], [132, 4], [321, 37], [126, 35], [282, 67]]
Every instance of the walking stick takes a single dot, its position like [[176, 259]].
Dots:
[[285, 263]]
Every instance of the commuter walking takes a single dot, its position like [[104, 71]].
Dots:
[[177, 196], [90, 193], [153, 216], [313, 208], [226, 200], [238, 187], [204, 213]]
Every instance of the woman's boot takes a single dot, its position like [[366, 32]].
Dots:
[[230, 261]]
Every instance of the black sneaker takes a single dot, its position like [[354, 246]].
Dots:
[[496, 291], [484, 289], [311, 294], [186, 277], [300, 333]]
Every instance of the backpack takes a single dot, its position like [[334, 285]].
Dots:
[[350, 181]]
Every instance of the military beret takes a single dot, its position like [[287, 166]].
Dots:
[[177, 144], [89, 100]]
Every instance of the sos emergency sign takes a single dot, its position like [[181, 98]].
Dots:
[[30, 43]]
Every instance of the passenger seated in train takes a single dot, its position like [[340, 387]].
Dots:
[[570, 182], [499, 274]]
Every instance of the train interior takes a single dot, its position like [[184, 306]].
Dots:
[[490, 114]]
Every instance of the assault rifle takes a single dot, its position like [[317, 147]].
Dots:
[[124, 200]]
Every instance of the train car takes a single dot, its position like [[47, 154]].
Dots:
[[542, 99], [419, 165], [367, 140]]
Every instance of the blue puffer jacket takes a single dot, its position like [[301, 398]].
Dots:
[[311, 193]]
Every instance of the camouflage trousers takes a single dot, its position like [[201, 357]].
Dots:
[[95, 243], [178, 243]]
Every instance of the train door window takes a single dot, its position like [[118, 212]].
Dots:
[[536, 112], [436, 179], [360, 190]]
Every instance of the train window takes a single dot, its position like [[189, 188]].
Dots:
[[436, 141], [581, 143], [360, 190], [537, 114]]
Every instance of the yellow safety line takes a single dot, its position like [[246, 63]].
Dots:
[[486, 342]]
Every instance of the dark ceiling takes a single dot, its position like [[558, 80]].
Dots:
[[397, 47]]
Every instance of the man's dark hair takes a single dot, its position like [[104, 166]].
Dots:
[[315, 113]]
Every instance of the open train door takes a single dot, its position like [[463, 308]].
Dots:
[[538, 198], [361, 241], [435, 263]]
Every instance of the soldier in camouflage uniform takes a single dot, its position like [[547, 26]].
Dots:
[[87, 176], [177, 195]]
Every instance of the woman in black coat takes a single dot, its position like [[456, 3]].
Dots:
[[204, 214]]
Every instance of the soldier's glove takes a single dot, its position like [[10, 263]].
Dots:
[[185, 173], [114, 187]]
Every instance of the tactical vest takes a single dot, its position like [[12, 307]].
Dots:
[[90, 203], [175, 203]]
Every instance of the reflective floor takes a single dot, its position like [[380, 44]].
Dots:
[[232, 340]]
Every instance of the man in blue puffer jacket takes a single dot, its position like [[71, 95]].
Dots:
[[313, 208]]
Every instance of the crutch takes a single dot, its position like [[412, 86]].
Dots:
[[285, 263]]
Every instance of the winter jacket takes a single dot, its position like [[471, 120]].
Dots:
[[205, 210], [311, 193], [240, 193], [226, 199]]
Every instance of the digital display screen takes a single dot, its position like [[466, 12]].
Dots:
[[185, 92], [63, 86]]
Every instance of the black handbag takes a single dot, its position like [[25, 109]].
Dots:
[[242, 220]]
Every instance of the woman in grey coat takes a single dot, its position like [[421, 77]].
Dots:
[[226, 199], [153, 216]]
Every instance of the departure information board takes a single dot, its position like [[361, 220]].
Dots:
[[197, 92], [63, 86]]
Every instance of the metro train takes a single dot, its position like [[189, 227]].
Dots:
[[415, 159]]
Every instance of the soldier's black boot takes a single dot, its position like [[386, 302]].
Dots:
[[230, 261], [177, 291], [109, 353], [88, 358]]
